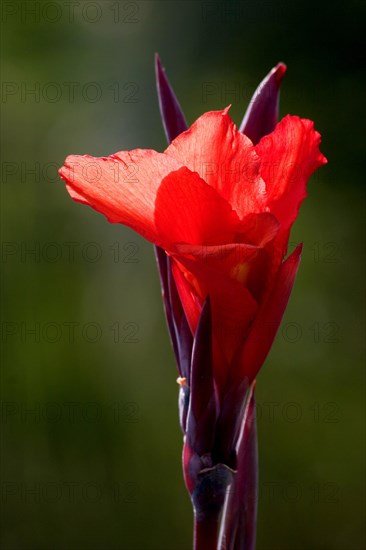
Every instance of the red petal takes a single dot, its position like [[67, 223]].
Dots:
[[219, 272], [268, 319], [123, 186], [258, 229], [224, 158], [192, 304], [289, 156], [188, 210]]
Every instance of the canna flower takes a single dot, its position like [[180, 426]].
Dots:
[[219, 204], [222, 208]]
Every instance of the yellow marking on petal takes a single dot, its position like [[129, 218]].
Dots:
[[240, 272], [182, 381]]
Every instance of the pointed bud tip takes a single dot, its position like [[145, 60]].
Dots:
[[158, 66], [161, 78], [171, 113], [279, 72]]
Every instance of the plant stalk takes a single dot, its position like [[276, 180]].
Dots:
[[206, 532]]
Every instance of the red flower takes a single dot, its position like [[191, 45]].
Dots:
[[222, 209]]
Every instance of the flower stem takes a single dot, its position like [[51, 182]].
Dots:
[[205, 533]]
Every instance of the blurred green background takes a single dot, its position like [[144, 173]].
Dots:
[[90, 437]]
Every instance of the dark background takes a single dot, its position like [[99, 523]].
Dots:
[[90, 440]]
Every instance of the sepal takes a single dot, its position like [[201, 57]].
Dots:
[[229, 421], [202, 412]]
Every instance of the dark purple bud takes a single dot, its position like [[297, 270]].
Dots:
[[185, 344], [229, 422], [179, 330], [170, 110], [202, 412], [238, 527], [180, 333], [261, 116], [183, 402], [174, 123]]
